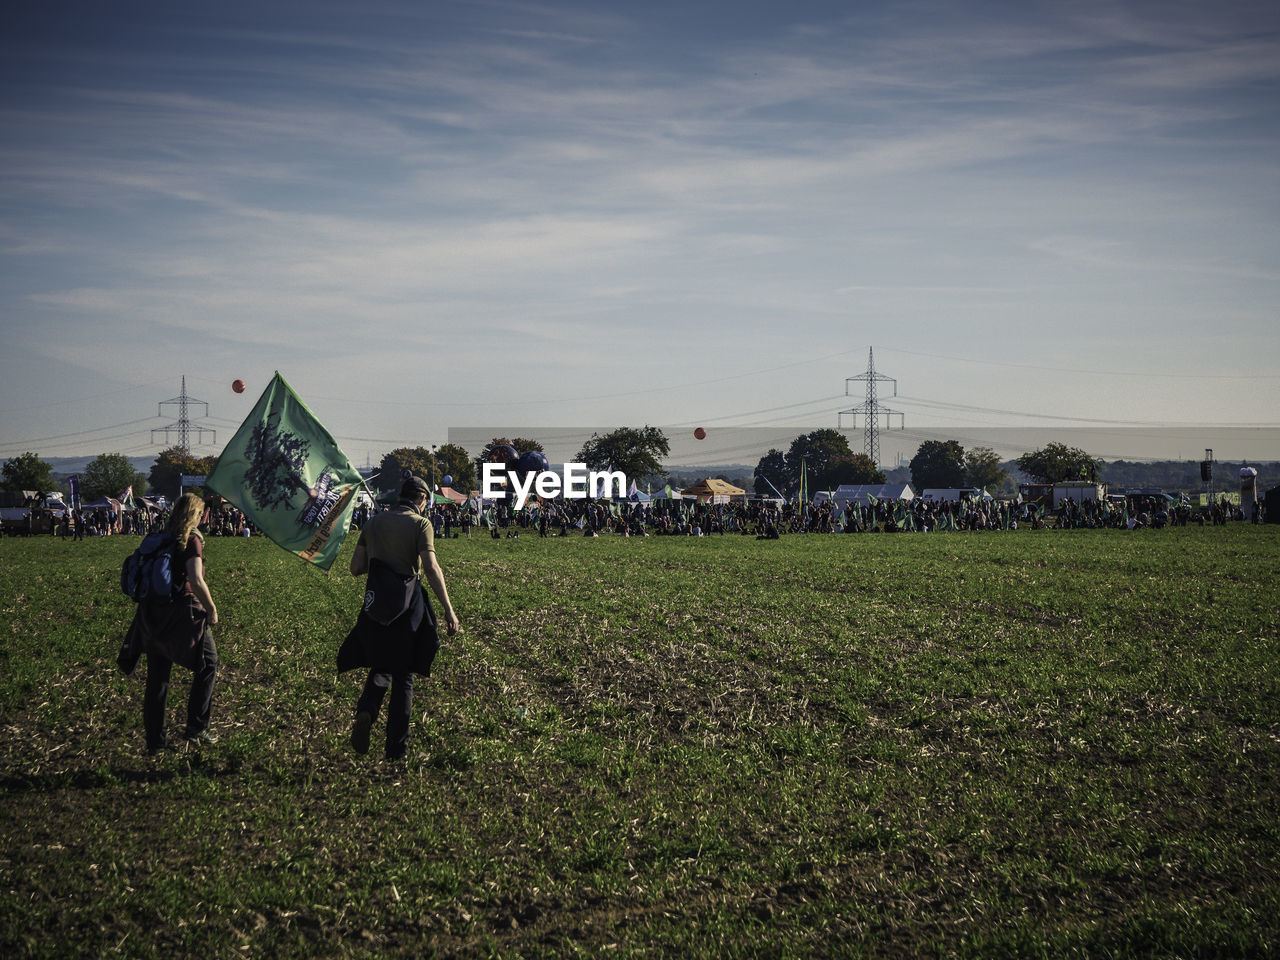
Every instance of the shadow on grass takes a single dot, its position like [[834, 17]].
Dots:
[[16, 785], [102, 776]]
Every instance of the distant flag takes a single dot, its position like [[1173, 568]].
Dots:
[[126, 499], [288, 475]]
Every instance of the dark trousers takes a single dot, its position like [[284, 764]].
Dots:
[[199, 704], [399, 709]]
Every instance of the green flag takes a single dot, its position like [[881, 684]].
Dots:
[[286, 472]]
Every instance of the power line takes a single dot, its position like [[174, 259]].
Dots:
[[749, 413], [72, 436]]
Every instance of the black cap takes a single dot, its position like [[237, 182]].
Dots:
[[413, 488]]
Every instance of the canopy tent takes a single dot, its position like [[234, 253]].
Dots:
[[711, 489], [451, 495]]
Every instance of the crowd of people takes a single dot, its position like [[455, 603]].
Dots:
[[768, 519], [78, 523]]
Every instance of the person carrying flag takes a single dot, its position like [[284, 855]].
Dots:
[[395, 633]]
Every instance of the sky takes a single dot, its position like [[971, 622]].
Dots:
[[434, 216]]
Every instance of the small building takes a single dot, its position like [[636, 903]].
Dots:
[[1052, 495]]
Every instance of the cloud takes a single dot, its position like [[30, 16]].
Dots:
[[551, 179], [1121, 256]]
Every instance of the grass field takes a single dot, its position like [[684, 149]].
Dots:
[[1032, 744]]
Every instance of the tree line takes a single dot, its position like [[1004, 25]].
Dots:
[[107, 475], [636, 451], [822, 458]]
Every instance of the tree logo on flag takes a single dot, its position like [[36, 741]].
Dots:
[[276, 460]]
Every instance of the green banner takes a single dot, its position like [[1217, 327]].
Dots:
[[286, 472]]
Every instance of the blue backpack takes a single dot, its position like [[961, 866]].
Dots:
[[147, 573]]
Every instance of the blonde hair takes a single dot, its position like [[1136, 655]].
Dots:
[[186, 516]]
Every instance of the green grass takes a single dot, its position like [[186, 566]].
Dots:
[[1033, 744]]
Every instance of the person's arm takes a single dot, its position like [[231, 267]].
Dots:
[[195, 577], [435, 577], [359, 561]]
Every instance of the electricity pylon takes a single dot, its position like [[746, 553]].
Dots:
[[871, 410], [184, 426]]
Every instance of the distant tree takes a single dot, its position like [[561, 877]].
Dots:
[[982, 469], [27, 472], [634, 451], [938, 464], [826, 458], [1057, 462], [862, 469], [171, 465], [898, 474], [417, 460], [454, 461], [771, 473], [108, 475], [277, 459]]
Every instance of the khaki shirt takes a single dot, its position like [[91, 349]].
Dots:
[[398, 538]]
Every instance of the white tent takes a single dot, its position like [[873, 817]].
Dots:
[[859, 493]]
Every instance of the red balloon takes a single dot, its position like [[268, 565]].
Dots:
[[238, 386], [700, 434]]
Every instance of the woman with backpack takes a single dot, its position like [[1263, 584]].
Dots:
[[175, 629]]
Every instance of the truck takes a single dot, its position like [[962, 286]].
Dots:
[[1052, 495]]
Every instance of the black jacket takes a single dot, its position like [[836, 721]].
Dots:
[[396, 628], [170, 631]]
